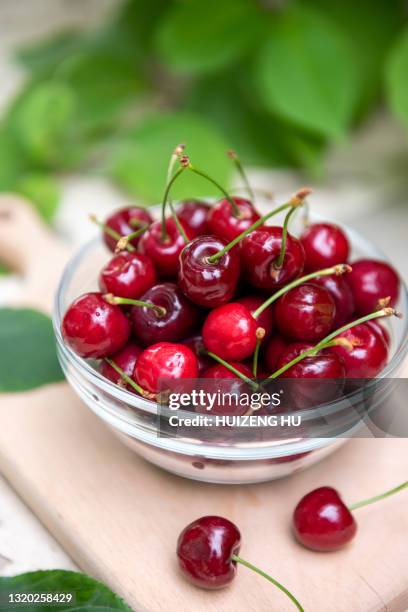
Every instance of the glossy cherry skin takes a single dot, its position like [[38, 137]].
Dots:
[[121, 222], [126, 359], [164, 253], [259, 251], [127, 275], [341, 292], [205, 283], [197, 346], [380, 329], [322, 522], [371, 281], [180, 320], [194, 215], [369, 354], [94, 328], [224, 223], [325, 246], [164, 360], [204, 551], [305, 313], [220, 371], [265, 319], [229, 331], [232, 384], [273, 350]]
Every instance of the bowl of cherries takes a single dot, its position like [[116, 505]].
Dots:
[[214, 291]]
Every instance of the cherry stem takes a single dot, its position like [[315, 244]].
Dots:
[[199, 172], [165, 197], [123, 242], [232, 369], [256, 358], [330, 340], [111, 232], [237, 162], [124, 376], [284, 239], [280, 586], [337, 270], [178, 224], [376, 498], [121, 301]]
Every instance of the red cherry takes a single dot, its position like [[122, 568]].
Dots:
[[259, 252], [225, 223], [325, 246], [321, 521], [380, 329], [230, 331], [127, 275], [305, 313], [197, 346], [369, 354], [194, 214], [372, 281], [126, 360], [121, 222], [94, 328], [206, 283], [220, 371], [179, 320], [164, 360], [205, 549], [265, 319], [340, 290], [164, 252], [273, 351], [235, 387]]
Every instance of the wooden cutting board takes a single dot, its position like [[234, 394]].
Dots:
[[119, 517]]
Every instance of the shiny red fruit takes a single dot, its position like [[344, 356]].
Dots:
[[325, 246], [204, 550], [127, 275], [197, 346], [265, 319], [126, 359], [230, 331], [164, 360], [220, 371], [232, 385], [322, 522], [194, 215], [205, 283], [164, 252], [369, 354], [381, 329], [179, 320], [341, 292], [273, 351], [371, 281], [94, 328], [259, 251], [305, 313], [126, 221], [225, 223]]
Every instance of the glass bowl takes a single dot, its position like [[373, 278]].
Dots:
[[231, 460]]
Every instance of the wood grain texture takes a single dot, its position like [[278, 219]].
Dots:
[[119, 517]]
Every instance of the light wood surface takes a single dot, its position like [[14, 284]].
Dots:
[[119, 517]]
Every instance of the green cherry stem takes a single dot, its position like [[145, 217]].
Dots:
[[232, 369], [337, 270], [111, 232], [178, 224], [376, 498], [280, 260], [121, 301], [256, 357], [123, 242], [332, 340], [237, 162], [165, 198], [125, 377], [280, 586], [186, 162]]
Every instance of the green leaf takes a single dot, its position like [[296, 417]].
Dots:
[[139, 162], [397, 78], [90, 595], [28, 358], [41, 58], [11, 162], [42, 120], [305, 72], [197, 37], [42, 190]]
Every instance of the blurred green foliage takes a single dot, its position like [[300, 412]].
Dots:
[[278, 81]]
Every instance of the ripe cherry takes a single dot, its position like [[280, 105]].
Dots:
[[197, 346], [341, 292], [325, 245], [369, 354], [273, 350], [231, 332], [265, 319], [259, 252], [220, 371], [234, 387], [372, 281], [164, 360], [127, 275], [177, 319], [322, 522], [226, 222], [305, 313], [94, 328], [194, 214], [125, 359], [124, 222], [383, 331], [164, 251], [203, 282]]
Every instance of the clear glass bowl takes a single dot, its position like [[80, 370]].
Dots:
[[135, 419]]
